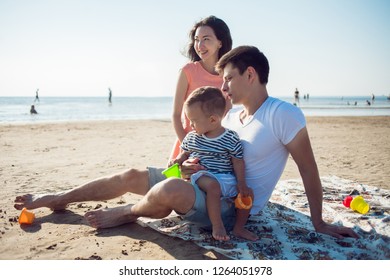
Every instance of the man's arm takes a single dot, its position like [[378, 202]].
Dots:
[[302, 153]]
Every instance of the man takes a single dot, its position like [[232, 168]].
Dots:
[[269, 128]]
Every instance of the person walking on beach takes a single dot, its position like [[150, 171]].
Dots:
[[36, 96], [270, 130], [220, 151], [209, 39]]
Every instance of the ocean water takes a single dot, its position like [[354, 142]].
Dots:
[[59, 109]]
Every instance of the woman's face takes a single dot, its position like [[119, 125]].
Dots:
[[206, 43]]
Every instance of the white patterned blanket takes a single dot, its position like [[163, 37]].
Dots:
[[286, 231]]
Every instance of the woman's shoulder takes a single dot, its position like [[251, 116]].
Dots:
[[192, 65]]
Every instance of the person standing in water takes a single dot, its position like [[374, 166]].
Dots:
[[296, 96], [36, 96], [109, 95]]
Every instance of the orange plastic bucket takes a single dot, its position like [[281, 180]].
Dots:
[[26, 217], [243, 202]]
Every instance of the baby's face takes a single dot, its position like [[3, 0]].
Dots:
[[198, 120]]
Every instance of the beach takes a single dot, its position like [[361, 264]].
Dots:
[[52, 157]]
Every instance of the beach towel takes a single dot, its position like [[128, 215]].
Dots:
[[285, 230]]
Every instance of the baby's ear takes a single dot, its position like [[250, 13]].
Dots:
[[214, 118]]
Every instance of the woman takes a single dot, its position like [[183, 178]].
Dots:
[[209, 39]]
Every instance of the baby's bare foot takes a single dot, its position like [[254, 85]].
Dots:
[[244, 233], [219, 233]]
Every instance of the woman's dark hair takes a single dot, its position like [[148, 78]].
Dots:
[[221, 31]]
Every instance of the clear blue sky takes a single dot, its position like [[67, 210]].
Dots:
[[82, 47]]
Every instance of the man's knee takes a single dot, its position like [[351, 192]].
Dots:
[[175, 193], [131, 174], [171, 188], [135, 180]]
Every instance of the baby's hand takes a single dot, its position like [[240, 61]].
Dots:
[[189, 167], [244, 190], [173, 161]]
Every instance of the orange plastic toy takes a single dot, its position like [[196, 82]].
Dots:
[[26, 217], [243, 202]]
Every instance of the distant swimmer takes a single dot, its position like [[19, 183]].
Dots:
[[36, 96], [32, 110], [368, 102]]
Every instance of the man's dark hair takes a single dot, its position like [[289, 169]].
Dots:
[[244, 56]]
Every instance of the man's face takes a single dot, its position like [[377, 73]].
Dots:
[[234, 84]]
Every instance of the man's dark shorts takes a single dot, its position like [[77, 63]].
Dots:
[[198, 213]]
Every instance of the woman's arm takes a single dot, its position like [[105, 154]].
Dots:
[[181, 89]]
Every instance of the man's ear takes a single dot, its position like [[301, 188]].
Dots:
[[251, 73]]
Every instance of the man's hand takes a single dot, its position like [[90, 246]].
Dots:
[[335, 231], [189, 167]]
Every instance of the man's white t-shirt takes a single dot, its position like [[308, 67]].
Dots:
[[264, 137]]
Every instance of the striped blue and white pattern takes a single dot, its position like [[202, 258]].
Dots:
[[214, 153]]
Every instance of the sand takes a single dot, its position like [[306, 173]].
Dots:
[[40, 158]]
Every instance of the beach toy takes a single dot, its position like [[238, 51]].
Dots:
[[358, 204], [26, 217], [347, 201], [172, 171], [242, 202]]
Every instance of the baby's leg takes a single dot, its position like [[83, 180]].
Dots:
[[239, 230], [213, 202]]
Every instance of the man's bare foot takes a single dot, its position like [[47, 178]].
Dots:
[[219, 233], [244, 233], [31, 201], [110, 217]]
